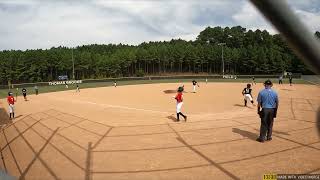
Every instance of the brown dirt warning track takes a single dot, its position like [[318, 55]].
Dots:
[[128, 132]]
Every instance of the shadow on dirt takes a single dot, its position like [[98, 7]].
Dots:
[[287, 89], [4, 118], [283, 133], [245, 134], [170, 91], [239, 105], [172, 117]]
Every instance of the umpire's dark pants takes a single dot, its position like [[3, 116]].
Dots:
[[266, 123]]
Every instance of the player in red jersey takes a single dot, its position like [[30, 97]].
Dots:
[[179, 98], [10, 100]]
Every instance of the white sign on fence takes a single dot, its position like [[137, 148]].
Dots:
[[65, 82], [229, 76]]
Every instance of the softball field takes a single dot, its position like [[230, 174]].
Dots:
[[129, 132]]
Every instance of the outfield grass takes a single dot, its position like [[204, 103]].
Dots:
[[46, 89]]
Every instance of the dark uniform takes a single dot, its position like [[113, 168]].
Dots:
[[194, 83], [246, 92], [24, 93], [268, 100], [290, 80]]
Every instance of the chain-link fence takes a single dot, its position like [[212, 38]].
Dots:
[[13, 86]]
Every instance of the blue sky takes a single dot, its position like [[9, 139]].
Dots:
[[32, 24]]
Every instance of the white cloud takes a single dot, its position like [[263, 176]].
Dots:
[[311, 20], [307, 10], [251, 18], [30, 24]]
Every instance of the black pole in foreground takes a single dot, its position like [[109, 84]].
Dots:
[[299, 38]]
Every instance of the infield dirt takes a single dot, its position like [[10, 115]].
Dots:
[[129, 132]]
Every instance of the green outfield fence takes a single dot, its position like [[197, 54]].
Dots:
[[295, 76]]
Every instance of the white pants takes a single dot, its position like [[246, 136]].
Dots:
[[248, 97], [194, 88], [179, 106], [11, 108]]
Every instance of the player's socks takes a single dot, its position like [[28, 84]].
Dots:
[[245, 102], [177, 116], [182, 115], [12, 115]]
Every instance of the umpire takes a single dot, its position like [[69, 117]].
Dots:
[[268, 101]]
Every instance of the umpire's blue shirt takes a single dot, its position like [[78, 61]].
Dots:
[[268, 98]]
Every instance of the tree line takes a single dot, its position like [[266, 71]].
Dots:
[[244, 52]]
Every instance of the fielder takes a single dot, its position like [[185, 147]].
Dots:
[[24, 93], [246, 92], [115, 83], [78, 89], [10, 100], [253, 80], [194, 83], [36, 89], [280, 79], [290, 80], [179, 98]]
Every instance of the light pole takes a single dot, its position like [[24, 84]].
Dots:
[[208, 42], [73, 77], [222, 44]]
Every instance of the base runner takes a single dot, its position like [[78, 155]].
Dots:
[[246, 92]]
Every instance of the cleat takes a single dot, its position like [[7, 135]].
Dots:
[[260, 140]]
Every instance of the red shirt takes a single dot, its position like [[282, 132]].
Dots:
[[10, 99], [179, 97]]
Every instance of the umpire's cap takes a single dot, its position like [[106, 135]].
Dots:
[[268, 82]]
